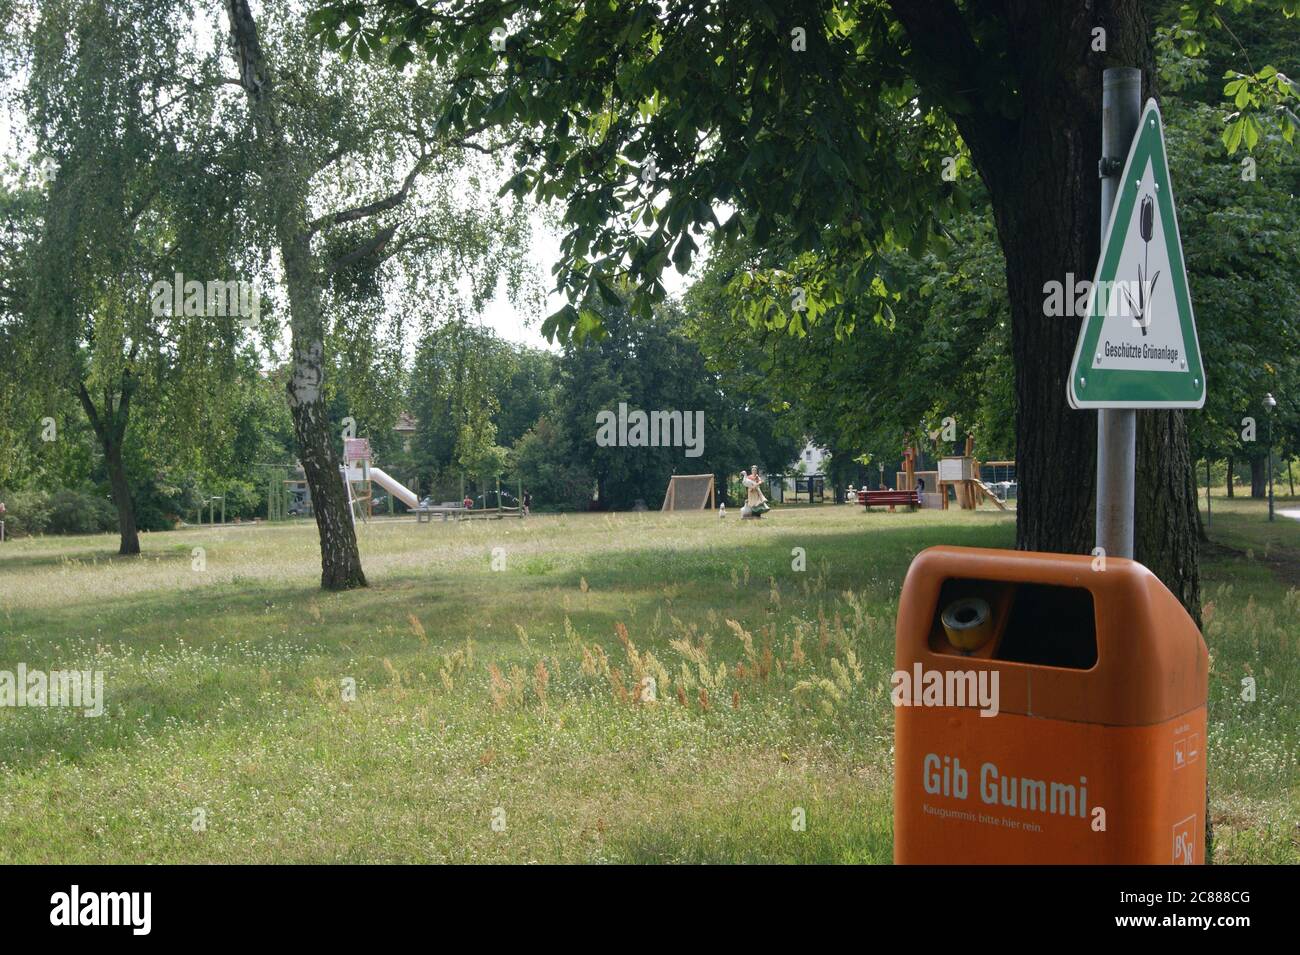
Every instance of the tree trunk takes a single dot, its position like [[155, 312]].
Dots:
[[1258, 477], [1056, 447], [1231, 466], [1047, 210], [1201, 533], [109, 426], [1166, 524], [339, 557], [286, 198], [130, 538], [1041, 172]]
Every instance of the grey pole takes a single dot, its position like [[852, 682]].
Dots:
[[1270, 464], [1269, 404], [1121, 111]]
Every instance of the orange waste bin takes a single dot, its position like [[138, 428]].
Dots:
[[1092, 749]]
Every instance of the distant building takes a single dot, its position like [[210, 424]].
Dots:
[[804, 476], [406, 428], [811, 460]]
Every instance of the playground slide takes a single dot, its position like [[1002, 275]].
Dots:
[[988, 491], [403, 494]]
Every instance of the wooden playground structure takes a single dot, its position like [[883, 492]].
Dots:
[[961, 472]]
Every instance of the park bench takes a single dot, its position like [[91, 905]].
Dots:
[[452, 509], [886, 496], [456, 511]]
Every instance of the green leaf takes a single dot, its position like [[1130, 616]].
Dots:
[[1251, 132], [682, 254], [560, 323], [590, 325], [1232, 135], [401, 55], [607, 292]]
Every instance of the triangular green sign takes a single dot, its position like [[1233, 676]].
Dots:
[[1138, 347]]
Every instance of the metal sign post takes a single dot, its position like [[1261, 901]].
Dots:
[[1121, 110], [1137, 345]]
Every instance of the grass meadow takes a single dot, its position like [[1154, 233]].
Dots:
[[499, 714]]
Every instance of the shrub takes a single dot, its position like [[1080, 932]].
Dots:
[[28, 512], [244, 500], [160, 498], [80, 512], [65, 511]]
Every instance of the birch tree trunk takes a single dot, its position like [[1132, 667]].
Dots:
[[285, 188]]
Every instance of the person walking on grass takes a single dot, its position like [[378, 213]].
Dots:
[[528, 502], [755, 503]]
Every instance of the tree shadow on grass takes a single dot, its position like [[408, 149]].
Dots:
[[15, 564]]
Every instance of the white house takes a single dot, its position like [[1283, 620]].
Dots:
[[811, 460]]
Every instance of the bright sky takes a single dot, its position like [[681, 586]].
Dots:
[[513, 325], [509, 322]]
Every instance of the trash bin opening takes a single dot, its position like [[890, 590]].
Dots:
[[1040, 624], [974, 610], [1050, 626]]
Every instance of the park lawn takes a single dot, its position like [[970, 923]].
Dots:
[[496, 714]]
